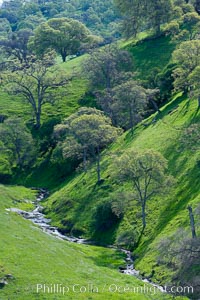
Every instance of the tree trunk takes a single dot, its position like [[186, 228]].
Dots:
[[85, 160], [98, 166], [199, 102], [143, 216], [38, 118], [131, 119], [64, 56], [192, 222], [155, 105], [19, 159], [197, 6], [157, 29]]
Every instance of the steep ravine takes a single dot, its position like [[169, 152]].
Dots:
[[38, 218]]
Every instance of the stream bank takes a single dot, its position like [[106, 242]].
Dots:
[[38, 218]]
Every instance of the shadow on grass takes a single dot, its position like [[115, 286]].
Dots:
[[112, 260]]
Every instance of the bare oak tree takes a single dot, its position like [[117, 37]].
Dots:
[[38, 83]]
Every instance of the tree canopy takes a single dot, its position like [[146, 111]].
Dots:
[[107, 66], [141, 14], [65, 36], [100, 17], [186, 75], [16, 45], [146, 171], [37, 83], [17, 140], [86, 133]]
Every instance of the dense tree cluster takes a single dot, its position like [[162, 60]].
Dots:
[[139, 15], [99, 16], [17, 143], [142, 15], [118, 93]]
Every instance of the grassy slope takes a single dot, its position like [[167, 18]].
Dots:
[[75, 202], [147, 55], [15, 106], [150, 54], [46, 174], [34, 257], [72, 207]]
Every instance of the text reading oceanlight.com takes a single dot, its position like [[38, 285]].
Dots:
[[111, 288]]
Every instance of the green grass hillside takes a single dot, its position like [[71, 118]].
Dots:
[[73, 207], [147, 55], [150, 54], [15, 106], [32, 257]]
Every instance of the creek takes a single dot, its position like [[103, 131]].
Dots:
[[38, 218]]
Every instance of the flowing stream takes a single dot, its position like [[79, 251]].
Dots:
[[38, 218]]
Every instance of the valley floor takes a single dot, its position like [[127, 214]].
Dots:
[[39, 266]]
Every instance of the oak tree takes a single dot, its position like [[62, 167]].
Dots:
[[18, 141], [37, 83], [140, 14], [146, 171], [187, 58], [65, 36], [16, 45], [128, 103], [86, 133], [107, 67]]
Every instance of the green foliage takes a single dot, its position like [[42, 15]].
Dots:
[[31, 22], [37, 82], [164, 213], [18, 142], [190, 138], [129, 103], [16, 45], [146, 171], [65, 36], [100, 17], [107, 67], [12, 11], [187, 72], [104, 218], [164, 80], [5, 28], [186, 24], [128, 238], [139, 14], [5, 169], [85, 133]]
